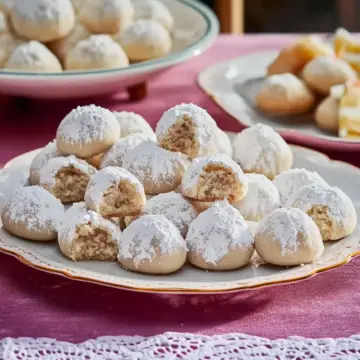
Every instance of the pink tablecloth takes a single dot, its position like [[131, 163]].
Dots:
[[37, 304]]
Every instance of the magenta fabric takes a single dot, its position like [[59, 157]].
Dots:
[[37, 304]]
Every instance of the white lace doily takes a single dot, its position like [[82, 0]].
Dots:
[[177, 346]]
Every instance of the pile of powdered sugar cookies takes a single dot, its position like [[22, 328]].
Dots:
[[110, 188], [305, 78], [57, 35]]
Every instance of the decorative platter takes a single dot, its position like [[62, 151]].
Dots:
[[47, 257], [233, 85], [195, 29]]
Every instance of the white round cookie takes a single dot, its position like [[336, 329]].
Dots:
[[32, 213], [159, 170], [33, 56], [261, 150], [8, 42], [145, 40], [260, 200], [106, 16], [61, 47], [96, 52], [86, 235], [212, 178], [154, 10], [132, 123], [152, 245], [219, 239], [224, 143], [43, 20], [288, 237], [87, 131], [174, 207], [189, 129], [116, 154], [42, 157], [66, 178], [329, 207], [114, 192], [291, 181]]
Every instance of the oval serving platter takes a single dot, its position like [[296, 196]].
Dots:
[[47, 257]]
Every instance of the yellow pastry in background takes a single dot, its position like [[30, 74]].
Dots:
[[347, 47]]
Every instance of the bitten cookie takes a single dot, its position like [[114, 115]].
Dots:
[[152, 245], [43, 20], [288, 237], [87, 131], [214, 178], [261, 150], [188, 129], [114, 192], [284, 94], [66, 178], [32, 213], [329, 207], [86, 235], [219, 239]]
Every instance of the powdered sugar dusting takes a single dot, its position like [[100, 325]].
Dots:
[[292, 180], [259, 147], [149, 161], [77, 216], [195, 170], [35, 207], [261, 198], [147, 235], [174, 207], [218, 231], [284, 226], [116, 154], [106, 178], [49, 171], [86, 124], [132, 123], [338, 204]]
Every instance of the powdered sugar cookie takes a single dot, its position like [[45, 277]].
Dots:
[[116, 154], [329, 207], [219, 239], [189, 129], [284, 94], [32, 213], [224, 143], [48, 152], [114, 192], [8, 42], [174, 207], [154, 10], [261, 150], [131, 123], [291, 181], [96, 52], [33, 56], [66, 178], [43, 20], [326, 71], [213, 178], [288, 237], [159, 170], [87, 131], [86, 235], [152, 245], [261, 198], [106, 16], [145, 40], [61, 47]]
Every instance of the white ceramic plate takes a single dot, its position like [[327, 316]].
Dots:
[[47, 257], [195, 29], [233, 85]]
